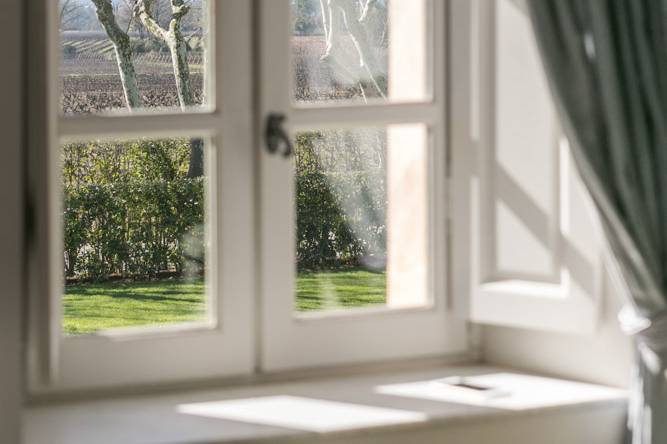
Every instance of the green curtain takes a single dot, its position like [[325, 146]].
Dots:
[[607, 65]]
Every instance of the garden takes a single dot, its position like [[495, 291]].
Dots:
[[136, 238]]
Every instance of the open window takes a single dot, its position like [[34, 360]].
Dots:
[[218, 190], [526, 239]]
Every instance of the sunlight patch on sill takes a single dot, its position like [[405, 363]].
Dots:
[[306, 414], [506, 391]]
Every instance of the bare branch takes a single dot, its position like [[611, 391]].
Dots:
[[142, 10], [105, 14], [65, 6], [179, 9], [129, 6], [67, 10]]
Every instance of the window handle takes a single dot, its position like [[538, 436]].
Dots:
[[275, 135]]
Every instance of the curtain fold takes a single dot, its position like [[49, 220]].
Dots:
[[607, 65]]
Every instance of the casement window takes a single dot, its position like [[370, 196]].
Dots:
[[85, 121], [300, 184], [526, 242], [404, 122]]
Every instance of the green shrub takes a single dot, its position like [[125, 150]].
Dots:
[[341, 198], [132, 230], [131, 212], [341, 219]]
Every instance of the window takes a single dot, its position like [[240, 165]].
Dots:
[[364, 96], [419, 180], [526, 239], [142, 265]]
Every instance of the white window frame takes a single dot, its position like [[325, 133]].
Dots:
[[363, 335], [567, 299], [153, 355], [258, 330]]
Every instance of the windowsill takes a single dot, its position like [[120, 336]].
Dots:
[[393, 407]]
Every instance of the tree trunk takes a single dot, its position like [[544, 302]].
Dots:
[[178, 49], [179, 58], [196, 166], [123, 49], [128, 75]]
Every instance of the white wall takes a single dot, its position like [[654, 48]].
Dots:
[[605, 357], [10, 223]]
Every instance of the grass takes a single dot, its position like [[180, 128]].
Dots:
[[339, 289], [92, 307]]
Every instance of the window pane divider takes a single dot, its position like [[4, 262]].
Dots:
[[144, 125], [364, 116]]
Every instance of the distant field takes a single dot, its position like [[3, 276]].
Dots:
[[93, 307], [86, 93], [95, 46], [90, 80]]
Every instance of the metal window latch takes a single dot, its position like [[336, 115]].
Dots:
[[275, 135]]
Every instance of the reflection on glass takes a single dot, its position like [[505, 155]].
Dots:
[[128, 55], [361, 202], [135, 234], [360, 51]]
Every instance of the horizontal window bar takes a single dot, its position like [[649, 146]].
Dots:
[[138, 125], [367, 115]]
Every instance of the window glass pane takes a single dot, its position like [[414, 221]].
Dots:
[[362, 218], [126, 55], [136, 234], [360, 50]]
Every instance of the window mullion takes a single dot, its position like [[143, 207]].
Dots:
[[372, 115], [143, 125]]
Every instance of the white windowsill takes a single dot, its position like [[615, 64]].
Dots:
[[394, 407]]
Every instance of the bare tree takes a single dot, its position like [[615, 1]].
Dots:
[[172, 35], [123, 48], [124, 12]]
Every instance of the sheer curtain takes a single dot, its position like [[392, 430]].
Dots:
[[607, 64]]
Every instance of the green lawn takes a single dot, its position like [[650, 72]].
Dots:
[[92, 307], [339, 289]]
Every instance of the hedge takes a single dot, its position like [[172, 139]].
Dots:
[[130, 210], [140, 230], [341, 219], [133, 230]]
